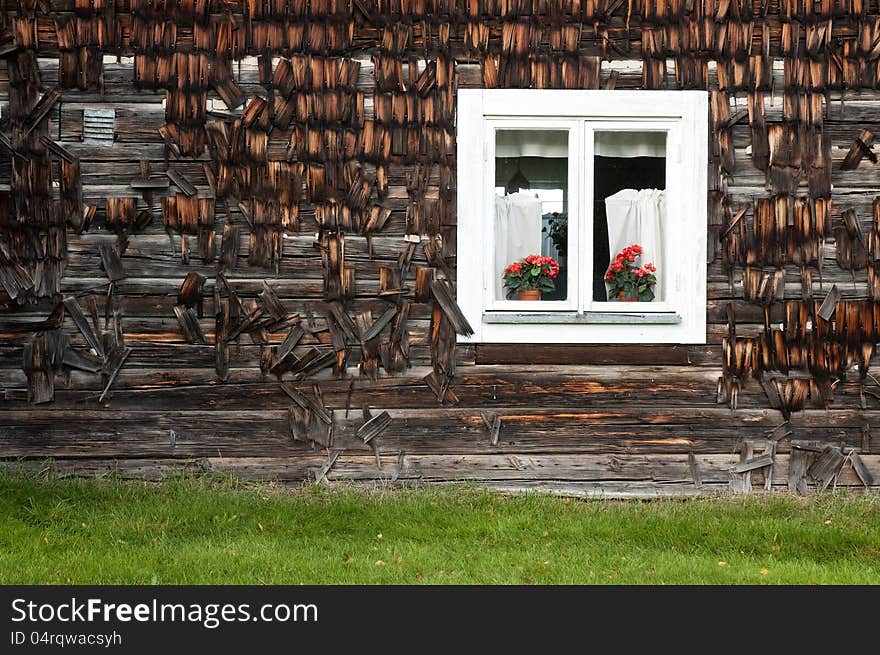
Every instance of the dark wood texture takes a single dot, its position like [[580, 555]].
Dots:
[[611, 355], [252, 223]]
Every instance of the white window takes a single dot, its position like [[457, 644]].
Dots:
[[579, 176]]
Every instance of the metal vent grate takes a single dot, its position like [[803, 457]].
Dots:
[[99, 126]]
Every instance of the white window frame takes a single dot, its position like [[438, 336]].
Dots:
[[575, 143], [680, 317]]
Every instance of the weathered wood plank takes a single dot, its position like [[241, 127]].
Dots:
[[373, 427], [189, 324], [752, 464], [79, 319], [81, 360], [595, 388], [111, 262], [826, 466], [115, 360], [115, 433], [657, 469], [142, 469], [860, 469], [694, 467], [607, 489], [596, 355]]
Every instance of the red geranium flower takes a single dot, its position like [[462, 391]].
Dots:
[[628, 280], [530, 273]]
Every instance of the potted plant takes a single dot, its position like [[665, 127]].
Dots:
[[558, 233], [628, 281], [557, 230], [527, 278]]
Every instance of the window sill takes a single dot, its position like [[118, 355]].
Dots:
[[601, 318]]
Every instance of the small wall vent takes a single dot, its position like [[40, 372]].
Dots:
[[99, 126]]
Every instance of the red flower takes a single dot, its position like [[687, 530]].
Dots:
[[624, 272], [515, 269], [532, 268]]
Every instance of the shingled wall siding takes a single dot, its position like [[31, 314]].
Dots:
[[278, 154]]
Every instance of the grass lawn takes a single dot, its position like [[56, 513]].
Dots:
[[199, 531]]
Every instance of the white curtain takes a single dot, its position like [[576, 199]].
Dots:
[[531, 143], [517, 232], [630, 144], [554, 144], [637, 217]]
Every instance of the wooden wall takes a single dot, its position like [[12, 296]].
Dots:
[[254, 275]]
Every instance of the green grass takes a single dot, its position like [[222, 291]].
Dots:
[[199, 531]]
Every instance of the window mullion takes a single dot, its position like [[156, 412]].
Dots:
[[585, 217], [575, 185]]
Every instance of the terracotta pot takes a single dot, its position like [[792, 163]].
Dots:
[[529, 294], [623, 298]]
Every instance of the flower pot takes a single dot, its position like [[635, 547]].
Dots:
[[623, 297], [529, 294]]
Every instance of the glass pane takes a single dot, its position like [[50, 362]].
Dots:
[[629, 215], [531, 214]]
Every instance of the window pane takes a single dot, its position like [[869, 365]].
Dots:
[[531, 211], [629, 209]]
